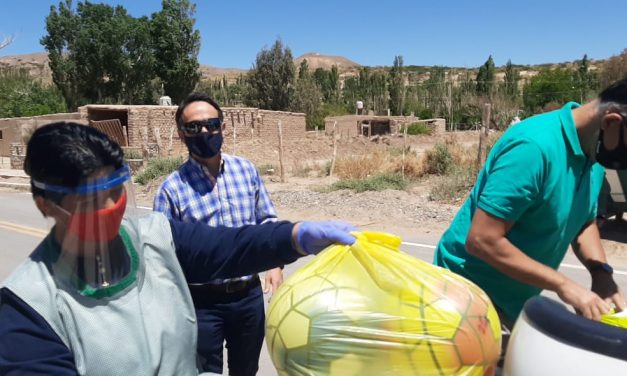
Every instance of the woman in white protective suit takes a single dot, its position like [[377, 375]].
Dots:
[[105, 293]]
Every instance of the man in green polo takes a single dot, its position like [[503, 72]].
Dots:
[[536, 195]]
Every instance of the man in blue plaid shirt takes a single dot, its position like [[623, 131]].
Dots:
[[220, 189]]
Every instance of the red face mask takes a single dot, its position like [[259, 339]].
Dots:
[[98, 225]]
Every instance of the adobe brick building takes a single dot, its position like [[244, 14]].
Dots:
[[153, 127], [353, 125], [14, 132]]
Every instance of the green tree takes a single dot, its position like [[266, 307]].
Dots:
[[511, 80], [436, 91], [329, 82], [98, 54], [224, 91], [303, 70], [307, 98], [396, 86], [136, 68], [271, 78], [585, 79], [351, 94], [332, 91], [550, 88], [485, 78], [101, 54], [21, 95], [59, 42], [176, 44]]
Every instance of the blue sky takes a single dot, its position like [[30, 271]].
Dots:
[[438, 32]]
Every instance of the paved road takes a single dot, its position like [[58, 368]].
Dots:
[[22, 227]]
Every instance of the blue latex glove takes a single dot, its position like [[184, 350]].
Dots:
[[313, 237]]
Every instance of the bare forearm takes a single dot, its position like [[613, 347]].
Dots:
[[487, 240], [511, 261]]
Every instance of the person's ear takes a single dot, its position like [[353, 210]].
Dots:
[[610, 125], [44, 206], [223, 126]]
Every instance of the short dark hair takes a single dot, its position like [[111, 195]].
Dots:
[[196, 97], [66, 153], [616, 93]]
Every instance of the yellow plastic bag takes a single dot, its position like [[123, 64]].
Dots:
[[615, 319], [369, 309]]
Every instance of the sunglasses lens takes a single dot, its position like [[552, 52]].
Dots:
[[192, 127], [195, 127]]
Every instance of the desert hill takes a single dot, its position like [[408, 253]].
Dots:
[[37, 66]]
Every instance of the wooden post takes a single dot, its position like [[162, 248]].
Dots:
[[334, 149], [234, 135], [483, 135], [252, 126], [404, 147], [171, 140], [281, 151]]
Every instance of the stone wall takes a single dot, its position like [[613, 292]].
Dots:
[[19, 129]]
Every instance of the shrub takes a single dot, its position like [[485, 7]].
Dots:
[[438, 161], [419, 128], [157, 168], [373, 183], [132, 153]]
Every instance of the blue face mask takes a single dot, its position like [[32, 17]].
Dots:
[[204, 145]]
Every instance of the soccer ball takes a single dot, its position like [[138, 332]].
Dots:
[[371, 310]]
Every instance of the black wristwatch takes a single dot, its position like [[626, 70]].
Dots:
[[601, 267]]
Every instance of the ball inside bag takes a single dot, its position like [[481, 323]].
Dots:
[[369, 309]]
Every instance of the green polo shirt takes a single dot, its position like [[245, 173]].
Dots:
[[538, 177]]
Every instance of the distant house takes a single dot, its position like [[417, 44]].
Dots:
[[370, 125]]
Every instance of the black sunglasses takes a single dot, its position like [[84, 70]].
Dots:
[[196, 126]]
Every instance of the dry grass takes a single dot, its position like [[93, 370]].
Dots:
[[374, 161], [462, 155], [380, 161], [412, 167]]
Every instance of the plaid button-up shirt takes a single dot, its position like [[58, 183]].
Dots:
[[236, 198]]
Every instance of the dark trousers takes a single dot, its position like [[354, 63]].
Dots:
[[506, 331], [239, 319]]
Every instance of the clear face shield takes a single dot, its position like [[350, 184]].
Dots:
[[94, 242]]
